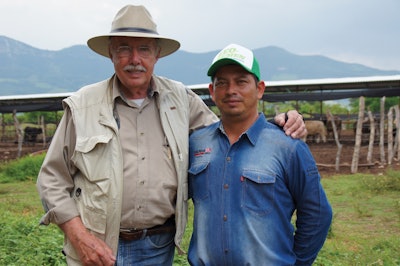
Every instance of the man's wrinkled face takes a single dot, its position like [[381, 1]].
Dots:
[[134, 60]]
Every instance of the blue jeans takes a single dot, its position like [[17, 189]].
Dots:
[[151, 250]]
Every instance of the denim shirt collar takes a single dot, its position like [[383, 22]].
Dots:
[[253, 133]]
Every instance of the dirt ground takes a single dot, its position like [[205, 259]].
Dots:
[[324, 154]]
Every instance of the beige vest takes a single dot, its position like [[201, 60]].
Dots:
[[98, 186]]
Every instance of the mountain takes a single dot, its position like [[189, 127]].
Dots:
[[27, 70]]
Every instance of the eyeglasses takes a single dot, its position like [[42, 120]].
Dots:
[[127, 51]]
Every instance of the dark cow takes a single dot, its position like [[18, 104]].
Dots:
[[30, 135], [366, 127], [329, 127]]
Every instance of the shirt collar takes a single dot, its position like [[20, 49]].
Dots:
[[253, 132], [116, 93]]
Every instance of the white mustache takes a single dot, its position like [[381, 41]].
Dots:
[[137, 68]]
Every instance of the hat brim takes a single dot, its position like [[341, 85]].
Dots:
[[223, 62], [99, 44]]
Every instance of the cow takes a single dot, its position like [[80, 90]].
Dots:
[[316, 129], [329, 127], [366, 127], [30, 135]]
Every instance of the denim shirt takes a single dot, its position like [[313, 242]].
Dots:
[[245, 195]]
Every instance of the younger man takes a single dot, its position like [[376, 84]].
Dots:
[[247, 179]]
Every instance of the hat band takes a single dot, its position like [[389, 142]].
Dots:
[[133, 29]]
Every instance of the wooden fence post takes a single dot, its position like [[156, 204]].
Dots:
[[337, 161], [372, 131], [43, 130], [357, 145], [382, 131], [2, 127], [390, 135], [18, 131], [397, 139]]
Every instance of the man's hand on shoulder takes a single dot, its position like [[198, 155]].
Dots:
[[292, 123]]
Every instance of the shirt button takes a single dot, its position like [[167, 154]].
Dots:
[[226, 250], [143, 158], [226, 186], [78, 192], [142, 182], [225, 218], [228, 159]]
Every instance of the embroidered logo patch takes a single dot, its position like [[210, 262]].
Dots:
[[202, 152]]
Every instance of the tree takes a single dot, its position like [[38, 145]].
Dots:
[[373, 104], [34, 117]]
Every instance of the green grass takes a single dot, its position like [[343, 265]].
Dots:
[[22, 169], [366, 221], [23, 241], [365, 228]]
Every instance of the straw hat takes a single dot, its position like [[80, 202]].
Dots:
[[133, 21]]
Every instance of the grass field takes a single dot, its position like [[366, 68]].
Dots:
[[365, 229]]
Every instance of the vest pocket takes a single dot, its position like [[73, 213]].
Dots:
[[258, 191], [92, 183], [93, 157]]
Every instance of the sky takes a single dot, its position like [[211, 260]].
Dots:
[[354, 31]]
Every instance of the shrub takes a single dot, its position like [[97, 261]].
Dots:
[[23, 169]]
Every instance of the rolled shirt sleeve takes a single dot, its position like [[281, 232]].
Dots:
[[55, 180]]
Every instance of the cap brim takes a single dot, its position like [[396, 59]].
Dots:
[[220, 63], [99, 44]]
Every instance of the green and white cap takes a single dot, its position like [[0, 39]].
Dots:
[[235, 54]]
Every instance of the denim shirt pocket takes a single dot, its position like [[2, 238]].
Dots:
[[198, 181], [93, 181], [258, 191]]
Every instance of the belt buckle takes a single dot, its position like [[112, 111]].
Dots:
[[134, 234]]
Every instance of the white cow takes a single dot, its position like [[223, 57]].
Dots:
[[316, 129]]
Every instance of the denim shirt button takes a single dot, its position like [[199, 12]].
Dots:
[[226, 186], [225, 218]]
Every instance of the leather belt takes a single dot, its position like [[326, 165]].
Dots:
[[136, 234]]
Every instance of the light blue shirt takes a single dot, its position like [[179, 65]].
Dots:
[[245, 195]]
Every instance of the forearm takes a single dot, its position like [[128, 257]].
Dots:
[[74, 230]]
